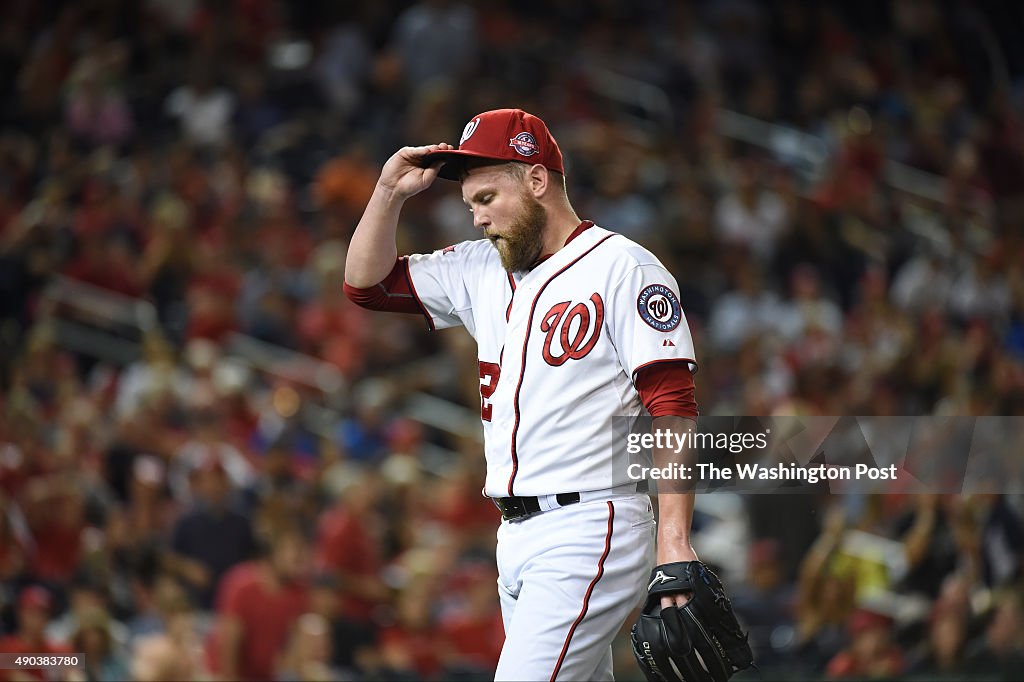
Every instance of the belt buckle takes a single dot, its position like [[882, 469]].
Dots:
[[513, 508]]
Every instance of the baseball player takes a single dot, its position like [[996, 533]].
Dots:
[[575, 324]]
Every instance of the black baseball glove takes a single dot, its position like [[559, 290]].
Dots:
[[698, 642]]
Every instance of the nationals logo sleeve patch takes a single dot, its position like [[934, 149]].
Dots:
[[659, 307]]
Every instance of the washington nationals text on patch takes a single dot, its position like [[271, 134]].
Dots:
[[559, 347]]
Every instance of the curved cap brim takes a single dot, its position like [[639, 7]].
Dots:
[[454, 162]]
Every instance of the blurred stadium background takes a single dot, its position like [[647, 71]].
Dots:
[[190, 407]]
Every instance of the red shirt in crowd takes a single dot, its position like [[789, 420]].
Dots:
[[477, 639], [266, 613], [345, 546], [420, 648], [57, 552]]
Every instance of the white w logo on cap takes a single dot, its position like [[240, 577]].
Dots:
[[468, 131]]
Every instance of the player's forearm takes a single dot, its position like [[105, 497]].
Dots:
[[675, 500], [372, 251]]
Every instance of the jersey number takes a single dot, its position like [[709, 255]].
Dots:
[[559, 325], [489, 373]]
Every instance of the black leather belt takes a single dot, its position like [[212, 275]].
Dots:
[[514, 508]]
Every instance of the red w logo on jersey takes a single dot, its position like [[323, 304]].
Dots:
[[559, 324]]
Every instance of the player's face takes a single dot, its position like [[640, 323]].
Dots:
[[507, 213]]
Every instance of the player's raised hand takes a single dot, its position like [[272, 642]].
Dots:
[[404, 173]]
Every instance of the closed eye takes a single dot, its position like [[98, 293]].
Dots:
[[482, 197]]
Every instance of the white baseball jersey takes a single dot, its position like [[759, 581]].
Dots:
[[559, 348]]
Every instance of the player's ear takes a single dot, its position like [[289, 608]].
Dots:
[[538, 179]]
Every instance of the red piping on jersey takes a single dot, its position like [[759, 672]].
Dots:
[[580, 229], [657, 362], [416, 297], [522, 368], [511, 283], [590, 590]]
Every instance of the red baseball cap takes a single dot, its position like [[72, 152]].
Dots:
[[502, 135], [35, 597]]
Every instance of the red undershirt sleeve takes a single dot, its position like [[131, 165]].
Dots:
[[393, 294], [666, 389]]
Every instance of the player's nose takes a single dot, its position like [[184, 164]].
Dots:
[[481, 221]]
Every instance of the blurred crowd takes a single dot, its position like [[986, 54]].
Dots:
[[174, 515]]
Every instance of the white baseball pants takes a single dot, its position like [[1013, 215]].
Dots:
[[567, 580]]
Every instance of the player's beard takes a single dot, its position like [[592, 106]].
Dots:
[[519, 248]]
